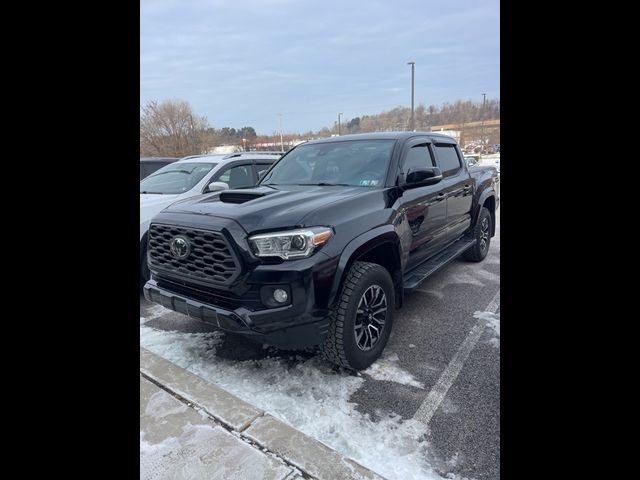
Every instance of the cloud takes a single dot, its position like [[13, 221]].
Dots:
[[241, 62]]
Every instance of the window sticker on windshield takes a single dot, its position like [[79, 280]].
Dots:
[[369, 183]]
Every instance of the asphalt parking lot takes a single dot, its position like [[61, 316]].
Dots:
[[441, 370]]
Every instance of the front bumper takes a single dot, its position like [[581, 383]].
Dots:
[[238, 304], [300, 324]]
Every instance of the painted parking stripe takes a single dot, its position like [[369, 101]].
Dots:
[[430, 404]]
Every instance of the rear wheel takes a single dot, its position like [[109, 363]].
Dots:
[[482, 234], [362, 319]]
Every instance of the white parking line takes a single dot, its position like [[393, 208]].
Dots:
[[430, 404]]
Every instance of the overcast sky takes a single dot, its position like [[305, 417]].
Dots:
[[241, 62]]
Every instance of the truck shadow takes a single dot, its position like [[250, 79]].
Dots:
[[237, 347]]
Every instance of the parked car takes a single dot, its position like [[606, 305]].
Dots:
[[193, 176], [472, 160], [322, 251], [491, 160], [148, 165]]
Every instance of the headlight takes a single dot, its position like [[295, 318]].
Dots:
[[290, 244]]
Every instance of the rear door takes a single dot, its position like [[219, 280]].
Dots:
[[423, 208], [457, 186]]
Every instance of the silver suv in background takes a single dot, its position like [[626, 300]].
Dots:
[[148, 165], [195, 175]]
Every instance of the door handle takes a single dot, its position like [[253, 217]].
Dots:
[[441, 195]]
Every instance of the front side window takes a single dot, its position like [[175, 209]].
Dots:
[[358, 163], [448, 159], [418, 156], [175, 178]]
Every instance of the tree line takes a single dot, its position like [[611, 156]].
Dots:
[[171, 128]]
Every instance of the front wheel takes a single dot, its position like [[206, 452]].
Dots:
[[482, 234], [362, 319]]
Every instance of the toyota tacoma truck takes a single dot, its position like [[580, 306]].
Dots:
[[322, 251]]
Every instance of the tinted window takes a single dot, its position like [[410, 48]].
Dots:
[[237, 177], [176, 178], [362, 163], [418, 156], [448, 158]]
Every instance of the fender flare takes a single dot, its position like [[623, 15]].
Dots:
[[489, 192], [359, 246]]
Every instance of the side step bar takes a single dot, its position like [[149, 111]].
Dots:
[[415, 277]]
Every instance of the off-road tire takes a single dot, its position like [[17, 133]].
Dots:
[[479, 251], [340, 345]]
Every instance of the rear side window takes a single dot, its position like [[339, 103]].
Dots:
[[448, 159], [418, 156]]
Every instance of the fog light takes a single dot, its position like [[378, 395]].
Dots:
[[280, 295]]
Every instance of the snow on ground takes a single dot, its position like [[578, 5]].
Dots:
[[493, 322], [309, 395], [387, 368], [154, 311], [160, 405], [192, 453]]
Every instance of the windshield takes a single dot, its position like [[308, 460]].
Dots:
[[175, 178], [358, 163]]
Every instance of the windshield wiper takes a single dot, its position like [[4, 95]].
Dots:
[[147, 191], [324, 184]]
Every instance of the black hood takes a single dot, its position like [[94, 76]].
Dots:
[[267, 208]]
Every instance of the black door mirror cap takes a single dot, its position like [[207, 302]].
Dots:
[[420, 177]]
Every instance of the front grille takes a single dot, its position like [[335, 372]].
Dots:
[[216, 297], [210, 258]]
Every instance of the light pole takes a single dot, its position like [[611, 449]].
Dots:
[[412, 122], [281, 142], [484, 96], [339, 123]]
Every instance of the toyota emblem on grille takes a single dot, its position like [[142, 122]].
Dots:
[[180, 247]]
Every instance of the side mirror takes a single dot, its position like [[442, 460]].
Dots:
[[217, 186], [420, 177]]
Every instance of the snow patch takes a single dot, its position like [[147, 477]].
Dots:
[[193, 454], [492, 322], [310, 396], [160, 405], [154, 311], [463, 279], [388, 368]]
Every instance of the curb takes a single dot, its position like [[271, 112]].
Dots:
[[310, 456]]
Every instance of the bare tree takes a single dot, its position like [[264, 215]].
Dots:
[[171, 129]]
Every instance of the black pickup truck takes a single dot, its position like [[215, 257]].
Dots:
[[322, 250]]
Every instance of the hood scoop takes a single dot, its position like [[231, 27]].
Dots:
[[239, 196]]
